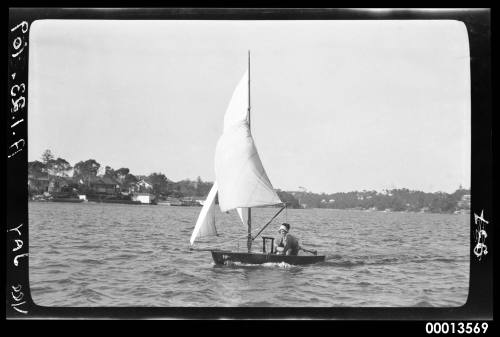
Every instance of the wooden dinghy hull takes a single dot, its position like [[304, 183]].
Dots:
[[66, 200], [222, 257]]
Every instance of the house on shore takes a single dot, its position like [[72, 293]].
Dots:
[[41, 183], [38, 183], [104, 185], [144, 198], [464, 202], [142, 186], [61, 184]]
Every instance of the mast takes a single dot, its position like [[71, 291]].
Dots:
[[249, 89], [249, 222]]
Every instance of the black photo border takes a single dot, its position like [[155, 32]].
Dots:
[[19, 304]]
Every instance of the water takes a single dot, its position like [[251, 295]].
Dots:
[[128, 255]]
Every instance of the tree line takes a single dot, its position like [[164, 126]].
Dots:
[[84, 172], [395, 200]]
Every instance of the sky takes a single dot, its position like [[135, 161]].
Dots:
[[337, 106]]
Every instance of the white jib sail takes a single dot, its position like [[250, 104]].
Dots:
[[205, 225], [242, 180], [243, 213]]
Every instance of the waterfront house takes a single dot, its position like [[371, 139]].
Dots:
[[104, 185], [464, 202], [57, 184], [142, 186], [38, 183], [144, 198]]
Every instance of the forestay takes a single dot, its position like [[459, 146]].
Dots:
[[205, 226], [242, 180]]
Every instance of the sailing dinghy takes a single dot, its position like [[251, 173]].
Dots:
[[242, 183]]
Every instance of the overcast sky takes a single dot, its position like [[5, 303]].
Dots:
[[336, 105]]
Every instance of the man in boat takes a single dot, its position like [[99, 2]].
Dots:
[[287, 244]]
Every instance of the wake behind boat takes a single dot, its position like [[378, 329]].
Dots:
[[242, 183]]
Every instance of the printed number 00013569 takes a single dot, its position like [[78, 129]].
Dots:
[[460, 328]]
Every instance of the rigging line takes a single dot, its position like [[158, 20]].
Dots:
[[243, 236], [255, 230], [237, 239], [284, 207]]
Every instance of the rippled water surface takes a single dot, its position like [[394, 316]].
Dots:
[[129, 255]]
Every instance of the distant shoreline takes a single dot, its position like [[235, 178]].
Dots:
[[50, 178], [461, 212]]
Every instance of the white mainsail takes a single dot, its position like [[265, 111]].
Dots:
[[242, 180], [205, 226]]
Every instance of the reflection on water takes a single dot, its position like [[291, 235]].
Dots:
[[129, 255]]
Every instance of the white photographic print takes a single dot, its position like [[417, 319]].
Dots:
[[246, 163]]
